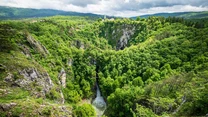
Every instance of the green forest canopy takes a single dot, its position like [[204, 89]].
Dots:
[[163, 70]]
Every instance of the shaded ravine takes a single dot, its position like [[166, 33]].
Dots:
[[99, 102]]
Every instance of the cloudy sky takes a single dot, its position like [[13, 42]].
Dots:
[[125, 8]]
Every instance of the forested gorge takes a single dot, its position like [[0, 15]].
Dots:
[[145, 67]]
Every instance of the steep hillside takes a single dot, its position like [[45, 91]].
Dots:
[[146, 67]]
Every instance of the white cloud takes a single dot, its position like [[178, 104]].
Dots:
[[126, 8], [169, 9]]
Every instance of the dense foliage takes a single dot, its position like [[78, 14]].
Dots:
[[161, 71]]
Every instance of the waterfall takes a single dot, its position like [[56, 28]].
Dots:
[[98, 91], [99, 103]]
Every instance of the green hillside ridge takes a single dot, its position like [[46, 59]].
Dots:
[[146, 67], [186, 15], [20, 13]]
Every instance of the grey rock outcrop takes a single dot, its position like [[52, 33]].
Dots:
[[9, 77], [79, 44], [7, 106], [37, 45], [62, 77], [123, 41], [32, 76], [69, 62], [118, 34], [26, 51], [62, 97], [66, 111]]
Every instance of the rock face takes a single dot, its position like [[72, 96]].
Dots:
[[79, 44], [32, 77], [118, 34], [9, 77], [123, 41], [26, 51], [67, 112], [69, 62], [62, 77], [7, 106], [37, 45], [62, 97]]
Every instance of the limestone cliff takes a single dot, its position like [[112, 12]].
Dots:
[[32, 76], [37, 45], [118, 33]]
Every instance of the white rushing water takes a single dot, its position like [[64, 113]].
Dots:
[[99, 103]]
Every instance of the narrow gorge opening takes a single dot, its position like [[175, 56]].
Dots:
[[99, 103]]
